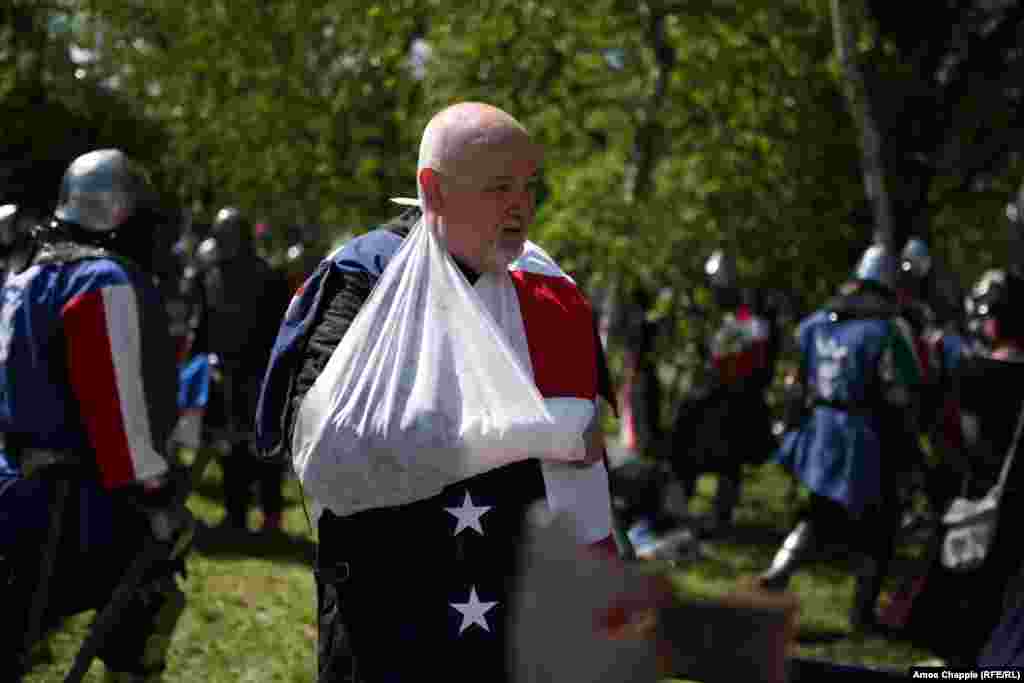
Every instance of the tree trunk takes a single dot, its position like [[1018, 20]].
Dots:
[[857, 95], [640, 172]]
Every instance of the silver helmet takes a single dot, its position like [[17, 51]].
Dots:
[[916, 259], [877, 265], [721, 270], [100, 191], [8, 224], [232, 231], [229, 218], [987, 293], [207, 253]]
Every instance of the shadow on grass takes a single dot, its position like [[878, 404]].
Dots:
[[825, 585], [210, 489], [815, 635], [226, 542], [751, 533], [213, 491]]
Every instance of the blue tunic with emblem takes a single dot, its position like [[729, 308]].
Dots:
[[847, 367]]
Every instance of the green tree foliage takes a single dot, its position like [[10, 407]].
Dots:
[[52, 110], [672, 131], [298, 112], [671, 128], [727, 129], [946, 93]]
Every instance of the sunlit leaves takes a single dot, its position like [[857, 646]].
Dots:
[[310, 111]]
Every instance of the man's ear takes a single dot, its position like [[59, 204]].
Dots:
[[433, 199]]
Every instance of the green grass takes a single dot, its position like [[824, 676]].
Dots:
[[825, 588], [250, 614]]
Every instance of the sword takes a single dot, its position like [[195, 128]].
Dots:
[[153, 552]]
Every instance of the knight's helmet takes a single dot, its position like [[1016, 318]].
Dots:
[[878, 266], [100, 191], [232, 232], [8, 225], [206, 255], [720, 269], [916, 259], [984, 299]]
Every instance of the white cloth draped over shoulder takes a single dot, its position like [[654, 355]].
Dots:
[[435, 382]]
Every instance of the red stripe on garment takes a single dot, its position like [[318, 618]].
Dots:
[[560, 335], [924, 353], [606, 547], [737, 366], [94, 383]]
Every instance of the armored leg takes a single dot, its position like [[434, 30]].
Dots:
[[865, 596], [872, 566], [675, 504], [727, 495], [41, 594], [238, 481], [11, 620], [795, 550], [133, 632]]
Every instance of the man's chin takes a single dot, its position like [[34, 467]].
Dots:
[[507, 251]]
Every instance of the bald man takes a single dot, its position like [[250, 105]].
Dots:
[[421, 591]]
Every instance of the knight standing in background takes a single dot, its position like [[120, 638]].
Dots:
[[726, 421], [87, 392], [858, 383], [246, 299]]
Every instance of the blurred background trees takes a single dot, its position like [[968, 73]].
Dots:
[[671, 127]]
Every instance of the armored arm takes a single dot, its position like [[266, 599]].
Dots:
[[123, 406], [901, 378]]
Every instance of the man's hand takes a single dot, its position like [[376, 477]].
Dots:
[[169, 520], [173, 525], [593, 440]]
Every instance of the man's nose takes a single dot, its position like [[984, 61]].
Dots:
[[520, 204]]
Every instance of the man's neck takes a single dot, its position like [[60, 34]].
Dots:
[[471, 274]]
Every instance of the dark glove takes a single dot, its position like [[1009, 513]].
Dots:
[[163, 504], [174, 525]]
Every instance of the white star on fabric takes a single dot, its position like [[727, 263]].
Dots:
[[468, 515], [473, 611]]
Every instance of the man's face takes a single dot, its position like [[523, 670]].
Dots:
[[489, 205]]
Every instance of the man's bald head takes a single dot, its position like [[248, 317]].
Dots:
[[464, 138]]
